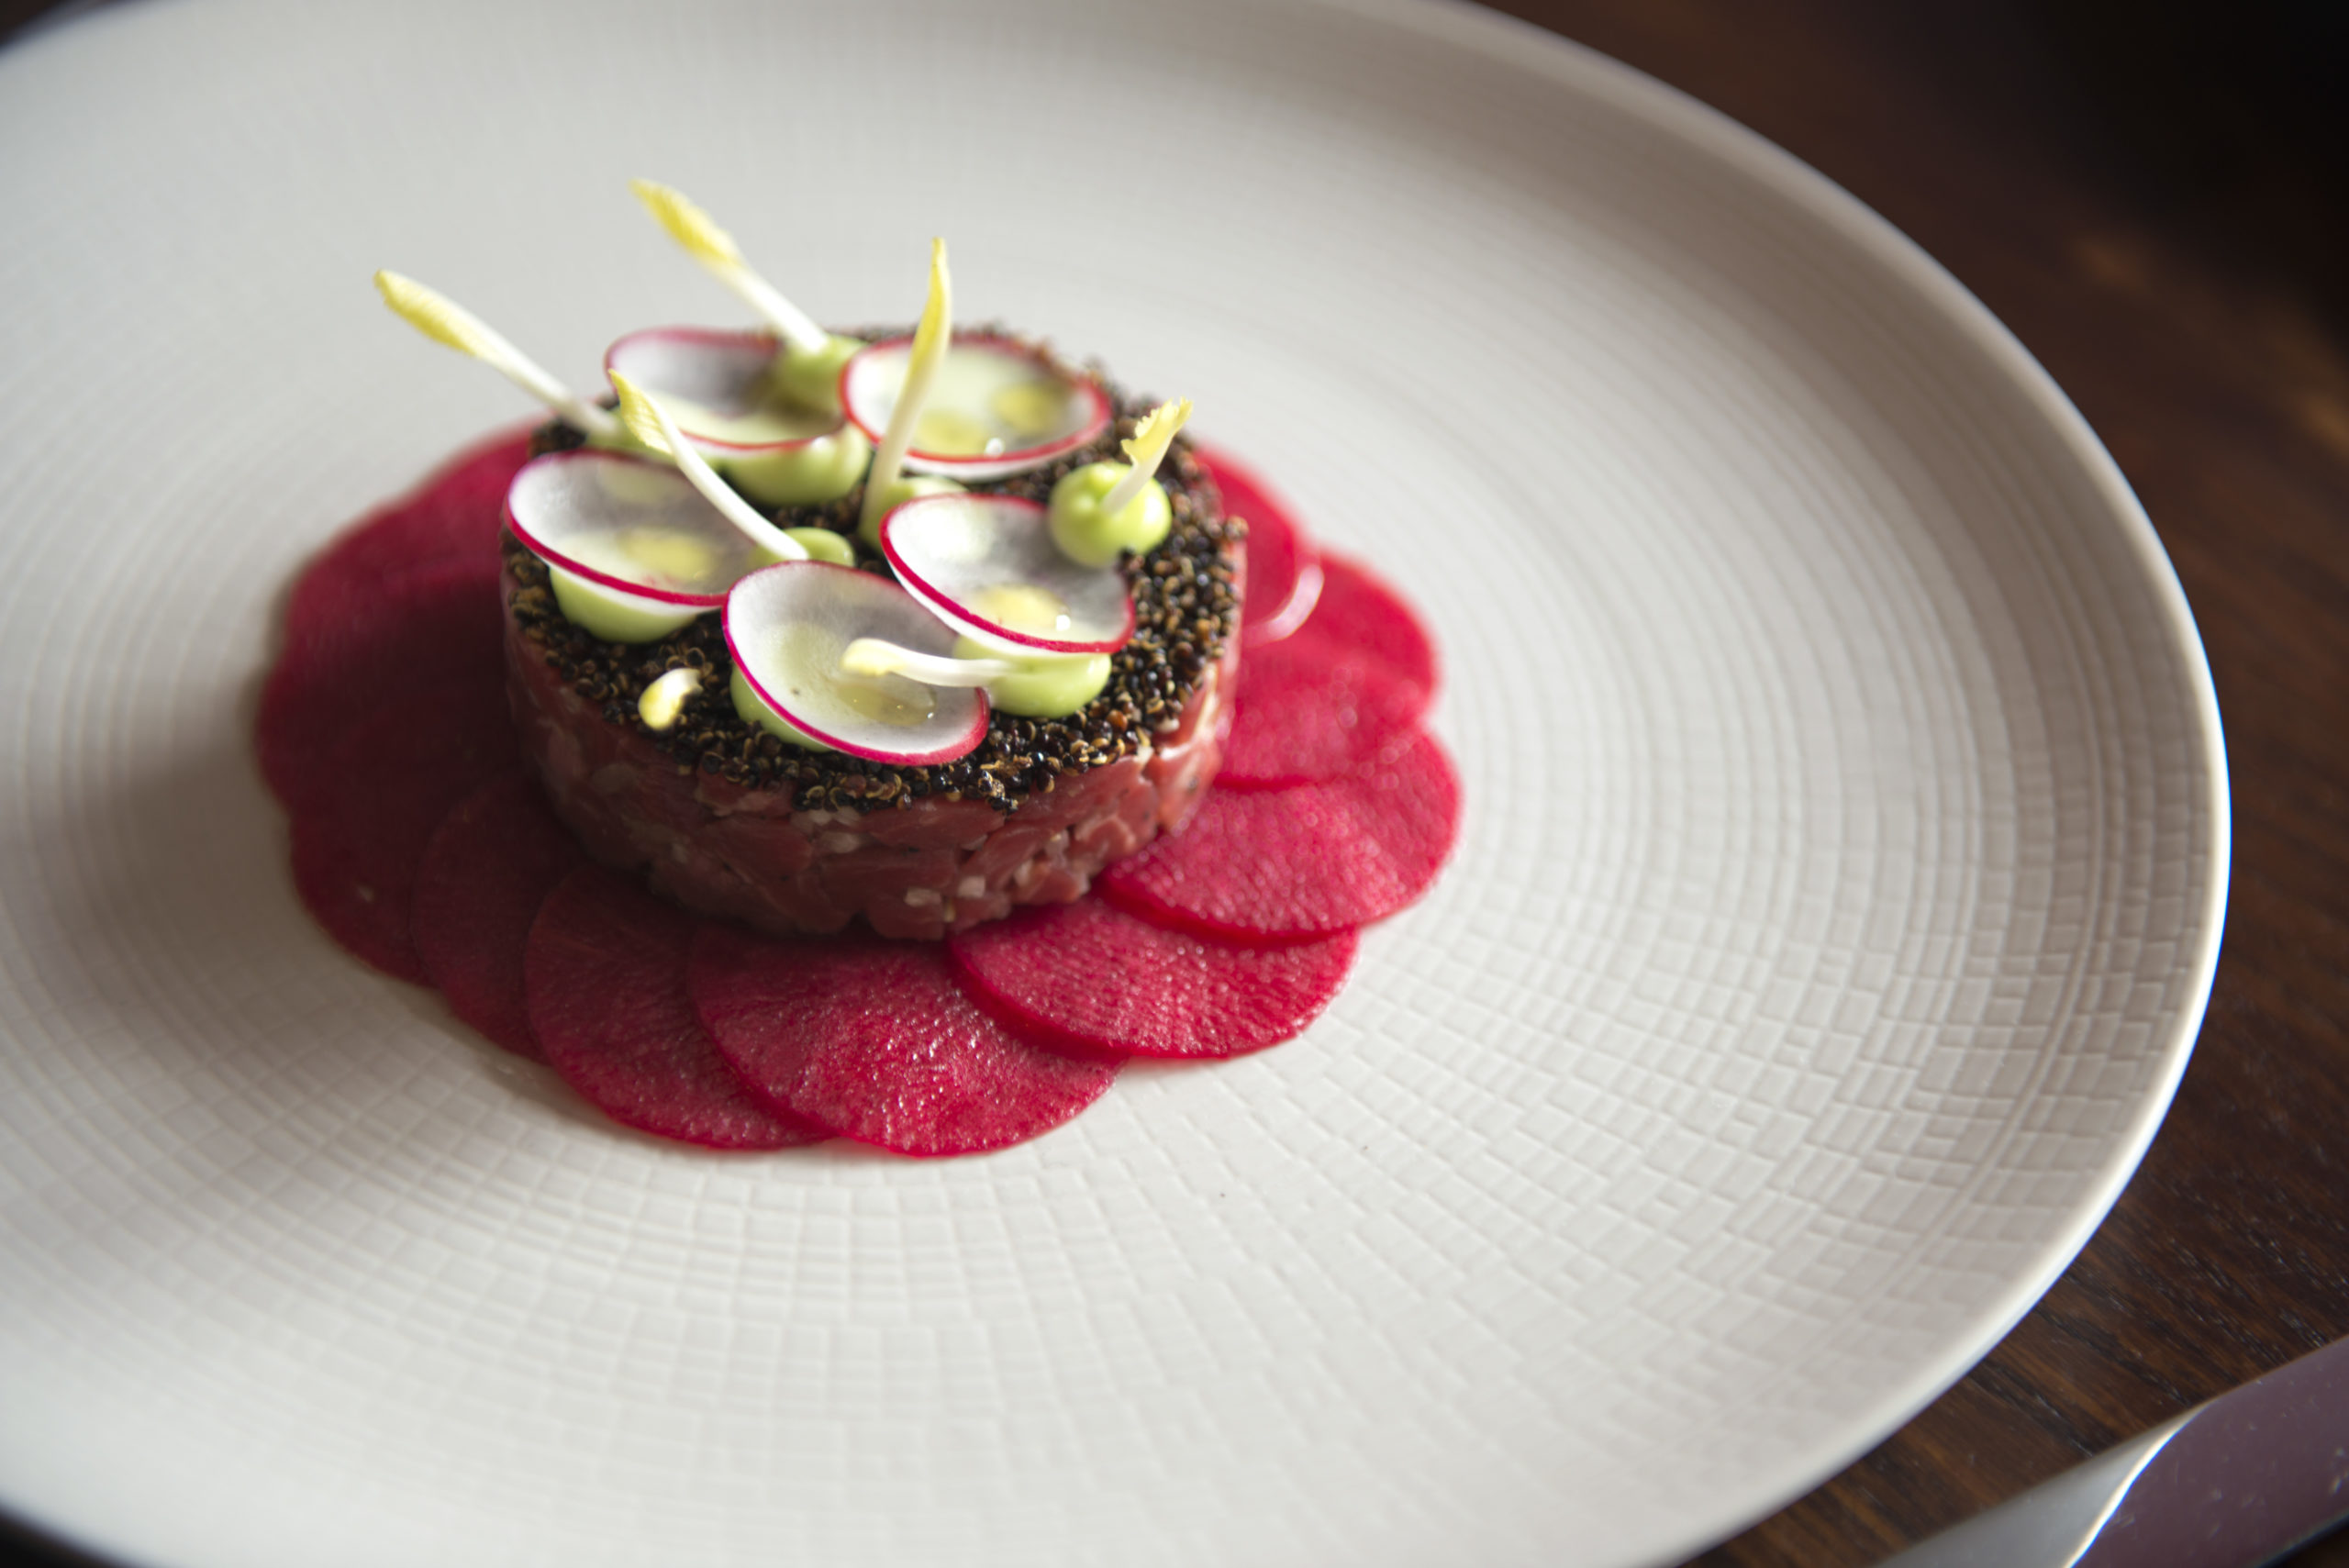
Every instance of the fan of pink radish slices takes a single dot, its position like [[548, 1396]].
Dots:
[[423, 845]]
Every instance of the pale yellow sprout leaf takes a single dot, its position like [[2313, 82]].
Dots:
[[689, 224], [651, 425], [643, 417], [437, 317], [937, 312], [932, 337], [1157, 431]]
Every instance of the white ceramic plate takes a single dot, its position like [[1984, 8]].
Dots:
[[1841, 887]]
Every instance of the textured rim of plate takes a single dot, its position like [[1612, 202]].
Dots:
[[1580, 69], [1571, 68]]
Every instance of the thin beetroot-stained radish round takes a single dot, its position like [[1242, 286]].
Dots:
[[1278, 866], [486, 871], [873, 1039], [1359, 614], [605, 973], [439, 626], [454, 515], [1088, 977], [358, 843], [1284, 565], [1305, 712]]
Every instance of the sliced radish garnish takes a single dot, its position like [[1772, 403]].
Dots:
[[487, 868], [997, 408], [1358, 613], [605, 972], [359, 642], [395, 777], [1277, 865], [625, 524], [718, 387], [1283, 566], [1305, 711], [451, 519], [987, 566], [873, 1039], [789, 625], [1086, 976]]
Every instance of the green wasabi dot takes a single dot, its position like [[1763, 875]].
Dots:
[[753, 709], [808, 474], [813, 380], [593, 608], [822, 544], [1091, 536], [906, 487], [1051, 685]]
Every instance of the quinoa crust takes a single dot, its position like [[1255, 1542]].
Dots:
[[1185, 613]]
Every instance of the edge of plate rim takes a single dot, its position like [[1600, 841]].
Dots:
[[1515, 42]]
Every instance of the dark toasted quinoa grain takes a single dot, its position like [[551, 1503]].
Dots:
[[1184, 612]]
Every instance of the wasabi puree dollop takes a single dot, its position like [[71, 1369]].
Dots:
[[1105, 509]]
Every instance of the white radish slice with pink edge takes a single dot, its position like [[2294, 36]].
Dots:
[[787, 627], [997, 407], [718, 387], [643, 552], [988, 567]]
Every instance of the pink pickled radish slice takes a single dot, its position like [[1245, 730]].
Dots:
[[1305, 712], [1279, 865], [489, 867], [432, 628], [1089, 977], [1284, 565], [605, 972], [1359, 614], [357, 845], [873, 1039]]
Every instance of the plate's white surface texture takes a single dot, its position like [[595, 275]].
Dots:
[[1840, 884]]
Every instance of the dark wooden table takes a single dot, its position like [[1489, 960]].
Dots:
[[2155, 198]]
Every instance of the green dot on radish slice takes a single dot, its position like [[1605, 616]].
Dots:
[[720, 387], [997, 406], [788, 627], [988, 565]]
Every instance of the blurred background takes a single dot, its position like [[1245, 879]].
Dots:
[[2155, 197]]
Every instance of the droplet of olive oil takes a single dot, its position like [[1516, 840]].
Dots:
[[1023, 606], [812, 657]]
